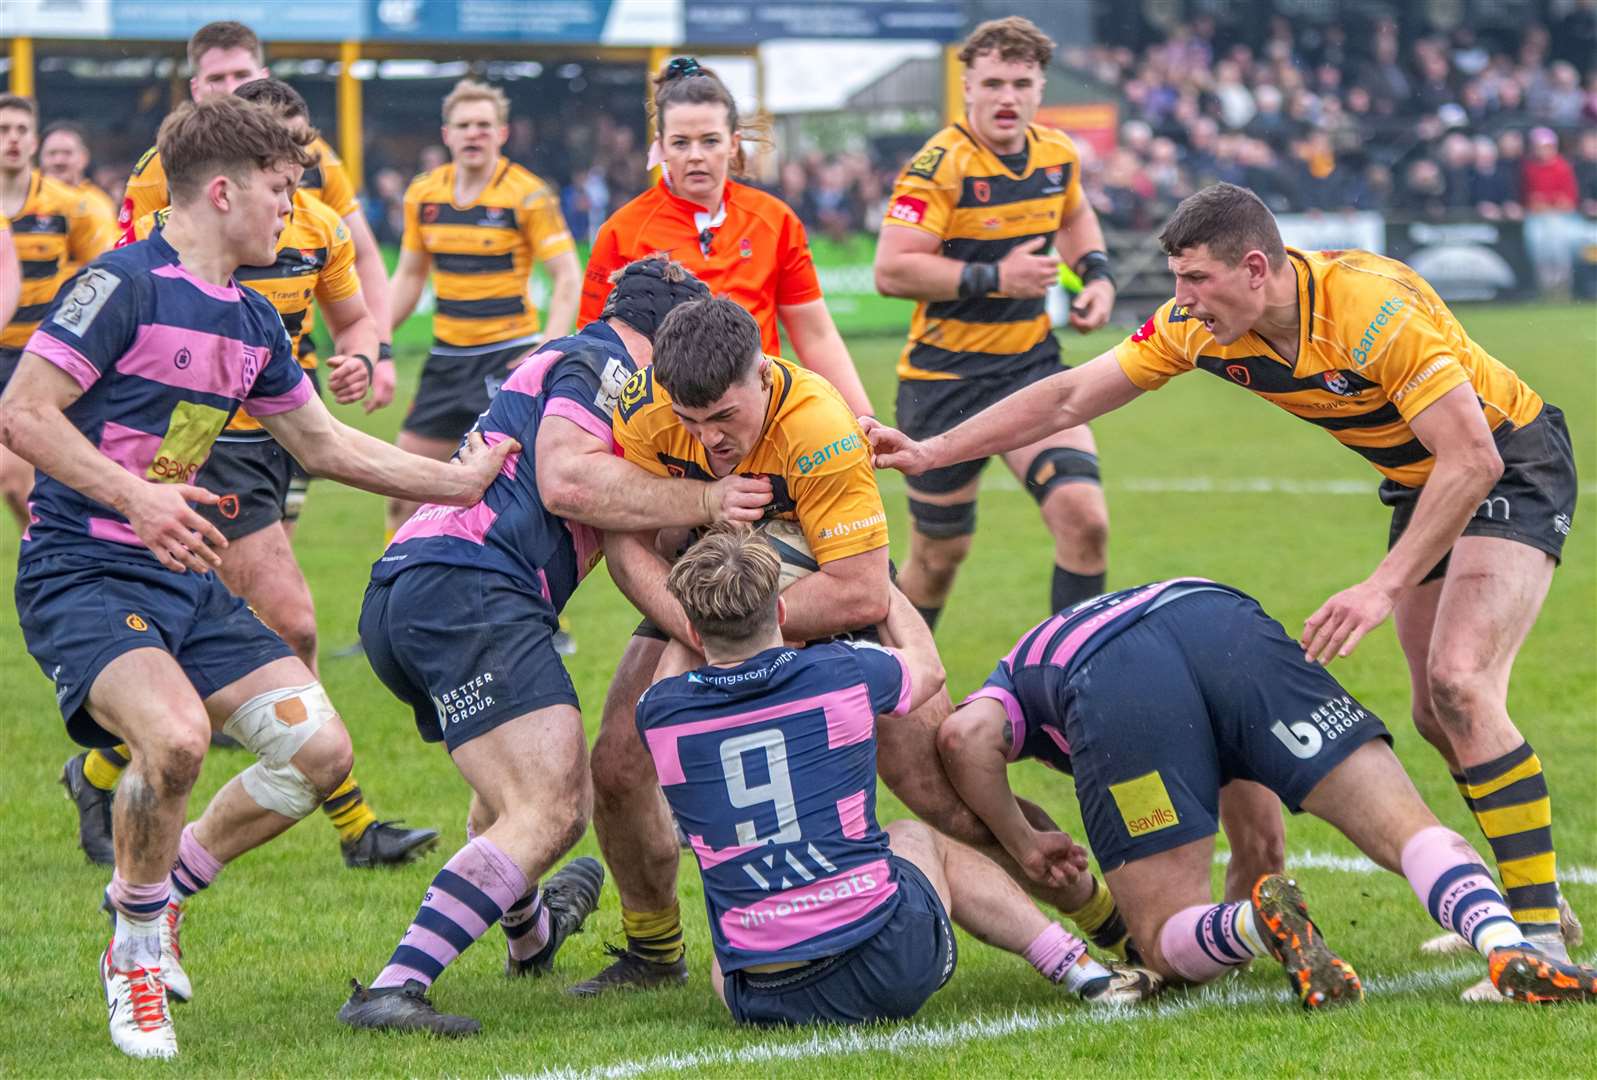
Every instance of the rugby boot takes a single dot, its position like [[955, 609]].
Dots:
[[94, 812], [629, 971], [1321, 978], [401, 1008], [1570, 930], [135, 1001], [1124, 985], [176, 980], [570, 895], [388, 843], [1523, 974]]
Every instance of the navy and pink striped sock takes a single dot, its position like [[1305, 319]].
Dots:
[[468, 896], [1202, 941], [195, 867], [1457, 889]]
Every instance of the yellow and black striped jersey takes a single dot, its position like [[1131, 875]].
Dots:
[[315, 260], [102, 210], [965, 195], [146, 192], [482, 254], [55, 233], [1376, 347]]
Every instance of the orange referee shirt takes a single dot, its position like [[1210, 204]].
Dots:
[[758, 257]]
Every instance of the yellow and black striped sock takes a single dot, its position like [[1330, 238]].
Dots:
[[346, 808], [1100, 921], [103, 768], [1508, 797], [654, 935]]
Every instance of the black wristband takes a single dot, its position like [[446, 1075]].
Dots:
[[1094, 265], [385, 351], [363, 358], [978, 279]]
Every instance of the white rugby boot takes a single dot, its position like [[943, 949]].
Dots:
[[176, 979], [135, 1000]]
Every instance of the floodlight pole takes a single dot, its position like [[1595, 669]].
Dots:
[[351, 134], [22, 66]]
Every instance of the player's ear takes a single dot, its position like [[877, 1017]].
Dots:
[[765, 373], [696, 641], [781, 611], [1257, 264]]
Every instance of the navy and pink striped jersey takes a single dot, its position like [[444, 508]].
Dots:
[[164, 360], [1033, 682], [511, 531], [770, 769]]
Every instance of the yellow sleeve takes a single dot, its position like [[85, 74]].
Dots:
[[632, 427], [411, 239], [1157, 352], [1073, 192], [338, 191], [337, 281], [544, 225], [143, 227], [926, 192], [146, 189], [1409, 355], [833, 485]]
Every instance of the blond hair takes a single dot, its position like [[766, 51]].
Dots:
[[727, 584], [1013, 38], [226, 34], [471, 90], [225, 134]]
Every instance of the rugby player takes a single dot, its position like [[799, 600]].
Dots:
[[712, 405], [967, 235], [53, 233], [11, 279], [818, 914], [222, 57], [1477, 468], [476, 224], [742, 242], [64, 155], [117, 399], [1154, 697], [252, 477], [459, 622]]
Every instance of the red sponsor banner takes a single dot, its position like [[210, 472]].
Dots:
[[1094, 123]]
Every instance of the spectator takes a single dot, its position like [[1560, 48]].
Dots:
[[1547, 177], [1236, 100], [1494, 190], [1458, 171], [1586, 172], [1424, 191], [1559, 99], [1383, 77]]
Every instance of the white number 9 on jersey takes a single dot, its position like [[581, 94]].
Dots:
[[778, 790]]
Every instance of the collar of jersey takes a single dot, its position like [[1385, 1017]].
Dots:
[[700, 219], [1306, 297], [983, 148], [498, 175]]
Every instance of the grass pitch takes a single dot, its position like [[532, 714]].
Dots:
[[1201, 478]]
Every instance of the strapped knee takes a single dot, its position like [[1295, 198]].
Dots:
[[1060, 465], [943, 522], [274, 726]]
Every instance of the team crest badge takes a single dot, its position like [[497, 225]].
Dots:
[[136, 623], [1239, 374], [637, 392], [495, 214], [1056, 175], [429, 213], [746, 248], [982, 190], [1337, 383], [926, 162]]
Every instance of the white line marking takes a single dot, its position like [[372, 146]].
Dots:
[[915, 1036], [1002, 480], [1358, 864]]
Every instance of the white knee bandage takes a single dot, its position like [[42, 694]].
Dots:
[[275, 725]]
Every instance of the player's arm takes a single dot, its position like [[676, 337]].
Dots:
[[565, 292], [907, 632], [405, 287], [581, 479], [976, 745], [910, 263], [1050, 405], [353, 327], [326, 447], [1080, 244], [821, 349], [34, 426], [640, 574], [1453, 428], [845, 594], [10, 277], [373, 277]]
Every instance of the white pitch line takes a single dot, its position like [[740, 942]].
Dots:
[[1358, 864], [915, 1036], [999, 479]]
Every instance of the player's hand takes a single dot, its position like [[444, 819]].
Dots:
[[892, 449], [1342, 621], [175, 534], [348, 379], [1053, 859], [383, 383], [484, 461], [737, 498], [1025, 275], [1092, 307]]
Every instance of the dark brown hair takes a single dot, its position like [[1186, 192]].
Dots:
[[20, 103], [684, 82], [225, 134], [727, 584], [1013, 38], [1230, 220], [276, 95], [702, 348], [226, 34]]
